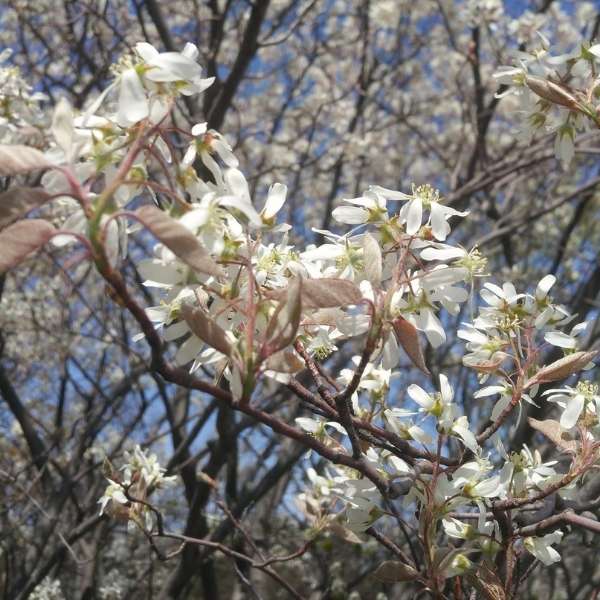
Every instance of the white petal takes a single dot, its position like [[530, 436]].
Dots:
[[350, 215], [133, 103], [63, 129], [489, 391], [389, 194], [562, 340], [446, 253], [146, 51], [432, 327], [307, 424], [420, 396], [275, 200], [199, 129], [188, 350], [190, 51], [156, 271], [414, 216], [543, 287], [446, 389], [337, 426], [499, 407], [571, 413], [237, 183], [244, 206], [399, 465], [391, 353], [175, 331], [223, 149], [172, 66], [439, 225]]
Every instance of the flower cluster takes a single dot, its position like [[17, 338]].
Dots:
[[21, 116], [126, 494], [238, 300], [557, 93]]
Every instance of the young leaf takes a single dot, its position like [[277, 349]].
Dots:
[[21, 159], [562, 368], [372, 259], [22, 238], [392, 571], [327, 292], [548, 90], [205, 328], [284, 323], [18, 201], [179, 239], [554, 432], [408, 338], [343, 533], [284, 362]]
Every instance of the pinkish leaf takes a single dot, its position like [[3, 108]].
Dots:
[[16, 202], [179, 239], [554, 432], [21, 159], [325, 293], [562, 368], [22, 238], [204, 327], [392, 571], [283, 326], [408, 338]]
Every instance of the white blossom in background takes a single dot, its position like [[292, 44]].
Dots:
[[48, 589]]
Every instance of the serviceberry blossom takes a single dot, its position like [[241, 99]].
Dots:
[[242, 309]]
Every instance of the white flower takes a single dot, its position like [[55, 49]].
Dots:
[[425, 197], [133, 102], [457, 529], [564, 145], [206, 144], [460, 427], [500, 298], [170, 67], [574, 400], [147, 467], [405, 429], [361, 497], [47, 589], [113, 493], [368, 208], [505, 398], [432, 404], [541, 547], [524, 470], [139, 82], [569, 341]]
